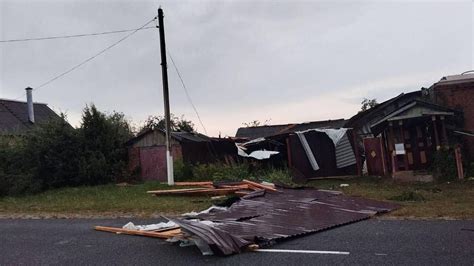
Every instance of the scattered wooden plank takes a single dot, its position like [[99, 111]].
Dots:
[[242, 192], [255, 184], [243, 186], [175, 190], [203, 183], [195, 192], [164, 235]]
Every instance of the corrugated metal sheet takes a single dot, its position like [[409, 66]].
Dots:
[[344, 153], [276, 216]]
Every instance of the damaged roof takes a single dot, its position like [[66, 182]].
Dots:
[[270, 130], [264, 218]]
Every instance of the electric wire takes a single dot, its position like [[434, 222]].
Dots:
[[72, 36], [186, 92], [92, 57]]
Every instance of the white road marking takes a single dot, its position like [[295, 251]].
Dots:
[[303, 251]]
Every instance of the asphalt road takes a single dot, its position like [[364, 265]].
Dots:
[[72, 241]]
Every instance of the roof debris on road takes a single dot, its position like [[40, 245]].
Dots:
[[260, 218]]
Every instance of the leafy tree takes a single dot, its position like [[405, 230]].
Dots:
[[176, 123], [368, 103], [54, 154], [104, 152], [256, 123]]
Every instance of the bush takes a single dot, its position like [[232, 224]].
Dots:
[[217, 172], [182, 171], [221, 172], [278, 176], [56, 155], [443, 165]]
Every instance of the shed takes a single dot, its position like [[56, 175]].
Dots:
[[147, 151]]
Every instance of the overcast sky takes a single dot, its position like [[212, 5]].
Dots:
[[288, 61]]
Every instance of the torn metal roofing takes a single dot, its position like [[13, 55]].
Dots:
[[270, 130], [265, 218]]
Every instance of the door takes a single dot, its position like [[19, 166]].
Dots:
[[153, 163], [417, 147], [374, 156]]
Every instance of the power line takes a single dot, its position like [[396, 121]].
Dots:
[[186, 92], [72, 36], [92, 57]]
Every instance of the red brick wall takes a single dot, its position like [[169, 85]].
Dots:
[[459, 97]]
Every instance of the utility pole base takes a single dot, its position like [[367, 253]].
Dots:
[[169, 168]]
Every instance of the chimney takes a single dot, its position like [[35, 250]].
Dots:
[[29, 103]]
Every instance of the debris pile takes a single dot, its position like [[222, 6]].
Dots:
[[260, 218]]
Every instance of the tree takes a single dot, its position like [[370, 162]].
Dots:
[[54, 154], [179, 124], [367, 104], [256, 123], [104, 152]]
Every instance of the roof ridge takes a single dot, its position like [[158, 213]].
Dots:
[[16, 101]]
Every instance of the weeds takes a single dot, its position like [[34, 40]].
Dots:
[[408, 196]]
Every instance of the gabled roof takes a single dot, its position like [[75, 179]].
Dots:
[[377, 110], [178, 136], [266, 131], [414, 109], [14, 116]]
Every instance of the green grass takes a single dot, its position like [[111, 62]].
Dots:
[[436, 200], [105, 200], [432, 200]]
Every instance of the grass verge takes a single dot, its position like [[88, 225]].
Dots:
[[454, 200], [100, 201]]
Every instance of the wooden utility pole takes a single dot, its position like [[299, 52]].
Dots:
[[164, 74]]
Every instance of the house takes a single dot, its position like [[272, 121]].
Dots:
[[409, 137], [270, 130], [147, 151], [400, 136], [457, 92], [18, 117], [362, 121]]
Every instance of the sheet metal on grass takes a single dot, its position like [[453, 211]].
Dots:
[[264, 219]]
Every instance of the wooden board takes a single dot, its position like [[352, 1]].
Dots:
[[195, 192], [255, 184], [164, 235]]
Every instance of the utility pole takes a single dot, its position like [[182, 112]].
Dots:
[[164, 74]]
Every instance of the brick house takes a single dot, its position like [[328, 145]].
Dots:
[[457, 92]]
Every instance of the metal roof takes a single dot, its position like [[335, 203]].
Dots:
[[266, 131], [178, 136], [269, 217], [455, 79], [14, 116]]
